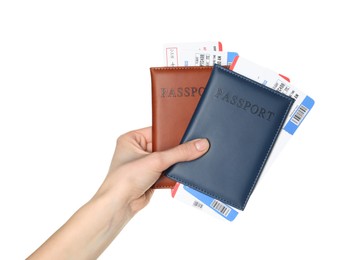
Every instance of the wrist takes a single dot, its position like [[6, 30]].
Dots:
[[113, 202]]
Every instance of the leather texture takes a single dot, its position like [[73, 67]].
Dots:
[[175, 95], [242, 120]]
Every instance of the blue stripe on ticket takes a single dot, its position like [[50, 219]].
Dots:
[[298, 116], [231, 56], [219, 207]]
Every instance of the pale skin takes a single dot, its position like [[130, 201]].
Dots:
[[125, 191]]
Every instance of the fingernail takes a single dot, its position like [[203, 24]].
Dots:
[[202, 145]]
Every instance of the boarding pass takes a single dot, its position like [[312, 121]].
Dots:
[[204, 58], [175, 54]]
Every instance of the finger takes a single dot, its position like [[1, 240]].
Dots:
[[150, 147], [140, 138], [146, 132], [184, 152]]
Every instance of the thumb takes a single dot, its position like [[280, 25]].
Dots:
[[184, 152]]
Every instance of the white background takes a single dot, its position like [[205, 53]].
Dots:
[[74, 75]]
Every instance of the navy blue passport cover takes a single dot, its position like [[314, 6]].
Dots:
[[242, 120]]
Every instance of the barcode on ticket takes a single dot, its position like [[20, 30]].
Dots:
[[299, 115], [220, 207]]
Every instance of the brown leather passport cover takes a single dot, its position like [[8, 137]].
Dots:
[[175, 95]]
